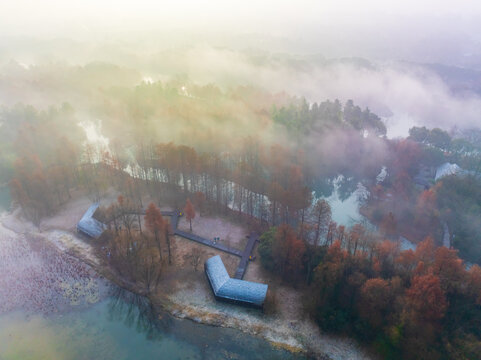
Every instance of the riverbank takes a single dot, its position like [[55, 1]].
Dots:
[[185, 294]]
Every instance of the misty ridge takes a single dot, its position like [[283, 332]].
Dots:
[[402, 93]]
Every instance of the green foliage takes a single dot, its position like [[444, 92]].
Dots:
[[432, 156], [331, 318], [266, 248], [283, 252], [419, 134], [439, 138], [435, 137], [459, 199], [363, 119], [386, 348], [301, 119]]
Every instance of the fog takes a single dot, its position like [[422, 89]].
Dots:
[[379, 54], [428, 31]]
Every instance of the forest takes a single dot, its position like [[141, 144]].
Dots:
[[325, 154], [268, 160]]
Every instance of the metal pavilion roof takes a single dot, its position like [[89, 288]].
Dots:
[[90, 226], [236, 290]]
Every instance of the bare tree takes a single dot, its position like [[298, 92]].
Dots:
[[195, 257]]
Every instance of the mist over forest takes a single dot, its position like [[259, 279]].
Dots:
[[343, 140]]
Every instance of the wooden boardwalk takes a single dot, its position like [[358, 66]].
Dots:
[[206, 242], [241, 269], [244, 255]]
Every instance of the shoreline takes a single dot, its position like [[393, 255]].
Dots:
[[299, 336]]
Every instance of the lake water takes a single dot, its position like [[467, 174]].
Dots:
[[5, 198], [344, 195], [123, 327]]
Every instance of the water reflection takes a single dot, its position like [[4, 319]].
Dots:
[[345, 187], [208, 342], [345, 195], [137, 312]]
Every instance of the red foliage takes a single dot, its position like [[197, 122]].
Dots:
[[387, 250], [374, 297], [120, 200], [406, 262], [407, 156], [153, 218], [189, 212], [426, 203], [335, 253], [289, 249], [450, 269], [425, 250], [427, 298]]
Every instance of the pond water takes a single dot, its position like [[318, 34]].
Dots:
[[345, 196], [123, 327], [5, 198]]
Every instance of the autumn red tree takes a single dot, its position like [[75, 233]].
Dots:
[[375, 300], [289, 250], [386, 253], [189, 211], [155, 223], [405, 264], [406, 156], [427, 298], [425, 251], [450, 269]]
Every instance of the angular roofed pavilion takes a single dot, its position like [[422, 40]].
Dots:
[[233, 290], [90, 226]]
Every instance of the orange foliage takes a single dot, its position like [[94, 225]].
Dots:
[[289, 249], [427, 298], [406, 262], [336, 253], [375, 299], [189, 212], [153, 218], [449, 268], [425, 250], [427, 202]]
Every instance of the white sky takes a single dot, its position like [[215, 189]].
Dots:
[[278, 17]]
